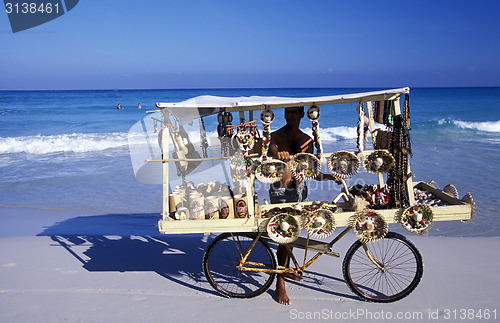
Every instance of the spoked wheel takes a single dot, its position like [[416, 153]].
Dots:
[[401, 268], [222, 258]]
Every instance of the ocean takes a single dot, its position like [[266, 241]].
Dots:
[[69, 151]]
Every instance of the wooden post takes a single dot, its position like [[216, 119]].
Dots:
[[165, 149]]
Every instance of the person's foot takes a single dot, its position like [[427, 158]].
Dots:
[[292, 276], [280, 293]]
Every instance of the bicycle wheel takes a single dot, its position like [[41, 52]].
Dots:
[[402, 263], [222, 258]]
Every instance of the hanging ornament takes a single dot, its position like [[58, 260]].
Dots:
[[269, 170], [361, 129], [283, 228], [245, 139], [267, 116], [417, 218], [379, 161], [313, 113], [343, 164], [368, 226], [320, 224], [304, 166]]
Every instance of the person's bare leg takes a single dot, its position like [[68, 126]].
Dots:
[[283, 260]]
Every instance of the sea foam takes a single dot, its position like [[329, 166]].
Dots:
[[488, 126], [74, 143]]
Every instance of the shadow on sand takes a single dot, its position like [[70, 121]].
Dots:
[[131, 242]]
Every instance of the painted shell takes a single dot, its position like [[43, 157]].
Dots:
[[368, 226], [343, 164], [271, 171], [304, 166], [313, 113], [267, 116], [379, 161], [283, 228], [417, 218], [320, 223]]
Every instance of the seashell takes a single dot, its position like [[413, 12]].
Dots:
[[378, 162], [369, 225], [284, 226], [318, 222], [417, 216]]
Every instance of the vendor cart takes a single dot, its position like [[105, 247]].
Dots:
[[239, 262]]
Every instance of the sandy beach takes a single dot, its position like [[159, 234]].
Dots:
[[58, 267]]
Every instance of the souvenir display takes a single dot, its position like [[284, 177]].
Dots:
[[424, 197], [368, 226], [267, 117], [269, 170], [240, 262], [361, 128], [379, 161], [377, 197], [470, 200], [283, 228], [295, 211], [226, 209], [343, 164], [237, 164], [320, 223], [304, 166], [245, 139], [417, 218], [240, 206], [399, 174], [313, 113], [225, 134], [451, 190], [212, 207]]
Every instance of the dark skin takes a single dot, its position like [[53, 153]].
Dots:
[[285, 142]]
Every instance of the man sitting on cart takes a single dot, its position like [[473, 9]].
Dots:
[[285, 142]]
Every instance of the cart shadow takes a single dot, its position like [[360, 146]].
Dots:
[[131, 243]]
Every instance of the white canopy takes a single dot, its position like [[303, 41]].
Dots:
[[208, 104]]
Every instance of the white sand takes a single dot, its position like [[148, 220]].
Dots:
[[56, 267]]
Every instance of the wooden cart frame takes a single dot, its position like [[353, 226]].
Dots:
[[455, 210]]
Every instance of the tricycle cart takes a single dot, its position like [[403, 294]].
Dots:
[[380, 266]]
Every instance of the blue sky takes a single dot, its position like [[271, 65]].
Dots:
[[161, 44]]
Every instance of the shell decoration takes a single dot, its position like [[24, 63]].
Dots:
[[343, 164], [320, 224], [283, 228], [270, 171], [417, 218], [304, 166], [379, 161], [368, 226]]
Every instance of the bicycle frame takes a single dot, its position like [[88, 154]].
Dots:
[[298, 269]]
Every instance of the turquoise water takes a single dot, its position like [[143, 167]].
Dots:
[[69, 150]]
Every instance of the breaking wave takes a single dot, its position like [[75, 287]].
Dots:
[[73, 143], [487, 126]]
